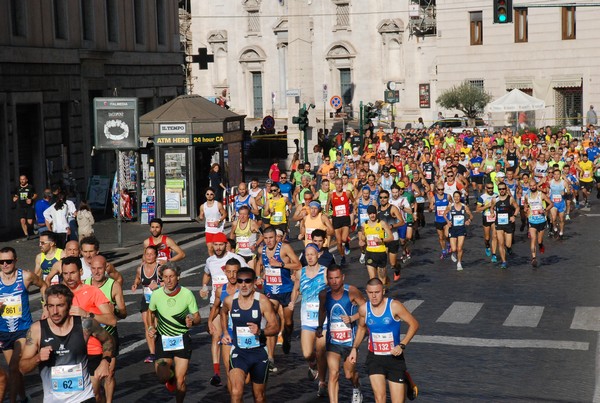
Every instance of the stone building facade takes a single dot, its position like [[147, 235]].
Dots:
[[264, 50], [55, 57]]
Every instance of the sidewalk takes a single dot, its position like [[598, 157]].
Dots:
[[133, 236]]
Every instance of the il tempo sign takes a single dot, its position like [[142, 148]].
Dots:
[[116, 123]]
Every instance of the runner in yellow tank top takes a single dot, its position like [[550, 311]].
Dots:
[[374, 235]]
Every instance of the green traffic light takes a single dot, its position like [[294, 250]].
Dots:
[[501, 15]]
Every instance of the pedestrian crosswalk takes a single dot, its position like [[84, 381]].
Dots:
[[464, 312]]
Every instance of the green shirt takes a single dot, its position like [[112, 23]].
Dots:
[[171, 310]]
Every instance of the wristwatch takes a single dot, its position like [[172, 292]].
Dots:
[[107, 358]]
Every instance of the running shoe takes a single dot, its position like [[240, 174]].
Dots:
[[272, 367], [568, 217], [215, 380], [534, 262], [542, 248], [396, 275], [561, 236], [150, 359], [494, 259], [362, 258], [171, 385], [509, 251], [322, 392], [488, 252], [313, 374], [522, 227], [459, 266], [503, 265], [443, 255], [343, 261], [347, 250], [280, 339], [357, 396], [453, 257]]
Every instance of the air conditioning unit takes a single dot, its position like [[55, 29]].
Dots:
[[414, 11]]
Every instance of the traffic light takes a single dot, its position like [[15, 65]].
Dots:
[[370, 113], [503, 11], [302, 119]]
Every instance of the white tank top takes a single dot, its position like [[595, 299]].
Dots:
[[212, 217]]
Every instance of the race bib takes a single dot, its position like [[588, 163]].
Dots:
[[383, 343], [243, 242], [218, 281], [503, 219], [311, 314], [556, 198], [245, 338], [420, 199], [273, 276], [373, 240], [428, 175], [67, 378], [489, 217], [340, 210], [212, 224], [340, 332], [364, 218], [511, 163], [277, 217], [440, 210], [587, 174], [12, 307], [476, 171], [537, 212], [147, 294], [458, 220], [172, 343], [308, 233]]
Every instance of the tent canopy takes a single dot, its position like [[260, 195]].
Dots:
[[516, 101]]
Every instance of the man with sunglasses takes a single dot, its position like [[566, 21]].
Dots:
[[15, 319], [438, 205], [245, 311], [213, 213], [390, 214], [277, 208], [484, 206], [49, 254], [505, 209], [537, 206]]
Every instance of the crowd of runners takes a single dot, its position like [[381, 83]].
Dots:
[[381, 195]]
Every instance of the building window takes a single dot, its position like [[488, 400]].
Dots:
[[112, 21], [138, 6], [87, 20], [346, 88], [476, 18], [477, 84], [342, 14], [521, 25], [257, 94], [161, 22], [569, 106], [18, 17], [568, 22], [60, 19], [253, 22]]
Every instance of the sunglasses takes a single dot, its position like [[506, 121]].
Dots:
[[210, 194], [501, 188], [6, 261], [245, 280], [489, 188], [440, 189], [384, 197]]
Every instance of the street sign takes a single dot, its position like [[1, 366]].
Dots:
[[268, 122], [292, 93], [116, 124], [391, 96], [325, 92], [335, 102]]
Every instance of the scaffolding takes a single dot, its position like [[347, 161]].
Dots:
[[422, 15]]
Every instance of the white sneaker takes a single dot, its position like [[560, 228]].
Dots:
[[453, 257], [357, 396], [459, 266], [362, 258]]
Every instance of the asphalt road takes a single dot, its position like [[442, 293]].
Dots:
[[486, 334]]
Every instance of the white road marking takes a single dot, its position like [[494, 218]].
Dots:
[[504, 343], [597, 388], [524, 316], [460, 312], [586, 318], [412, 304]]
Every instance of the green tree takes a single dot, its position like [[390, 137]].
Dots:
[[466, 98]]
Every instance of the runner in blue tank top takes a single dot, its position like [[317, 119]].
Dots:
[[312, 281], [245, 199], [276, 263], [385, 359], [247, 309], [15, 320], [338, 305], [438, 204]]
